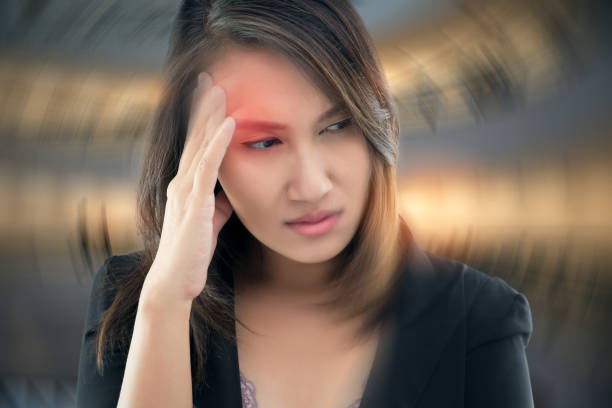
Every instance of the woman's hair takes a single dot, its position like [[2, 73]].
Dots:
[[328, 41]]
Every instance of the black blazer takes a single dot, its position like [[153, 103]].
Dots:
[[457, 338]]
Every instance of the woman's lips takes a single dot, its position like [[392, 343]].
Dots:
[[314, 216], [313, 229]]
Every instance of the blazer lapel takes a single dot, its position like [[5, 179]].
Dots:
[[222, 383], [222, 388], [428, 308]]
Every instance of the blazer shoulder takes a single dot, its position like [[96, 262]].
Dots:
[[495, 310], [94, 388], [105, 280]]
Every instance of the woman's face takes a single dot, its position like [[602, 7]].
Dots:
[[297, 162]]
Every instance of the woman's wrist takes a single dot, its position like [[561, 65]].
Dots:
[[157, 298]]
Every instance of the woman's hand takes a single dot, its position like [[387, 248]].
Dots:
[[193, 215]]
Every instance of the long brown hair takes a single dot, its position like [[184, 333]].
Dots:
[[328, 41]]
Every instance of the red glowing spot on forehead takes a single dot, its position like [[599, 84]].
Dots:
[[264, 125], [259, 125]]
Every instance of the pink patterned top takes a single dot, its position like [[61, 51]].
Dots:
[[248, 394]]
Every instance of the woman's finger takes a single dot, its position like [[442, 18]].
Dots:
[[192, 142], [210, 161], [216, 113], [212, 107], [216, 107]]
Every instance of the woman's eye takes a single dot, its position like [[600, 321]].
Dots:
[[262, 144], [339, 126], [267, 143]]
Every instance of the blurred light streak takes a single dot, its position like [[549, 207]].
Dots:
[[525, 195]]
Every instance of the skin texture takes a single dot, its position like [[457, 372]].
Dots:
[[290, 171]]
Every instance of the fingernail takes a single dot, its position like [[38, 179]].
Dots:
[[201, 77]]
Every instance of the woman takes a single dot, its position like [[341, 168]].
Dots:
[[276, 270]]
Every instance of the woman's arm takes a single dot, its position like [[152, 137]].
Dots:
[[158, 368]]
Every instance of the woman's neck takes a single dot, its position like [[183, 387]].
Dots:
[[278, 274]]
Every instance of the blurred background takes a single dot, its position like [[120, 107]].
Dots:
[[505, 164]]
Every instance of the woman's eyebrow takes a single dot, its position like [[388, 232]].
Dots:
[[331, 112], [250, 124]]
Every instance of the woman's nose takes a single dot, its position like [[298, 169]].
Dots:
[[308, 180]]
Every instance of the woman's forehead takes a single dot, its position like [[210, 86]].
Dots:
[[260, 82]]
